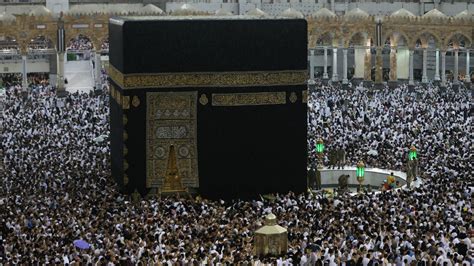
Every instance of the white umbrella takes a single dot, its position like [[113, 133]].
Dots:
[[373, 152]]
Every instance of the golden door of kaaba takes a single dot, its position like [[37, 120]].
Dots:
[[171, 120], [228, 94]]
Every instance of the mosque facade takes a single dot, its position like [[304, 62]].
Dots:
[[346, 41]]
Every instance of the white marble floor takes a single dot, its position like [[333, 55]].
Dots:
[[79, 76]]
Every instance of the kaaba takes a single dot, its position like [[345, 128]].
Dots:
[[226, 94]]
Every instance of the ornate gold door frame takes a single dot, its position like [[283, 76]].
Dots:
[[171, 119]]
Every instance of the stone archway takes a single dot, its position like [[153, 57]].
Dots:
[[399, 57], [325, 39], [395, 45], [323, 43], [397, 38], [458, 40], [361, 45], [458, 44], [426, 47], [427, 39], [40, 43], [358, 39]]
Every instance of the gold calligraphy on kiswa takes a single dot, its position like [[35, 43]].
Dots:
[[207, 79], [255, 98]]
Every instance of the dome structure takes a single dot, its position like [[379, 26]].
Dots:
[[40, 11], [113, 9], [150, 9], [292, 13], [466, 14], [84, 10], [434, 14], [186, 10], [256, 12], [74, 10], [117, 9], [223, 12], [356, 13], [271, 227], [402, 13], [324, 13], [7, 18]]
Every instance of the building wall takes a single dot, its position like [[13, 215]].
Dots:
[[57, 6], [308, 7], [33, 66], [417, 63]]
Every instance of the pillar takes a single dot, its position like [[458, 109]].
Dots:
[[325, 74], [378, 66], [468, 71], [393, 65], [456, 66], [334, 64], [424, 78], [24, 81], [368, 65], [98, 68], [60, 81], [53, 69], [311, 64], [410, 73], [344, 66], [443, 68], [436, 76]]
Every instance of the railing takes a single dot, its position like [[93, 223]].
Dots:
[[9, 52], [10, 2], [41, 51], [10, 58], [20, 60], [108, 1]]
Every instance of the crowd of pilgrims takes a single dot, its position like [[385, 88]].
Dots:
[[57, 188], [80, 43], [36, 81]]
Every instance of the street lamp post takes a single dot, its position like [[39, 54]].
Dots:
[[60, 48], [360, 171], [320, 152], [412, 165], [412, 155]]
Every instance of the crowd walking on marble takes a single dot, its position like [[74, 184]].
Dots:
[[56, 188]]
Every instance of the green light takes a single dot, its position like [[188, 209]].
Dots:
[[360, 169], [412, 155], [360, 172], [320, 146]]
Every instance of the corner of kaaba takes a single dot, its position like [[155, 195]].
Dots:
[[224, 97]]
